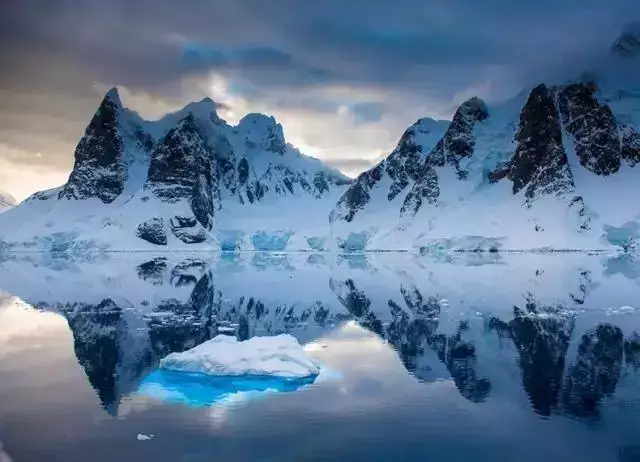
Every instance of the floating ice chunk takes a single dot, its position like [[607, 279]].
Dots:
[[280, 356], [143, 437]]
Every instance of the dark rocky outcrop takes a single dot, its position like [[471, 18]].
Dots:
[[540, 164], [99, 170], [357, 196], [186, 229], [153, 231], [592, 127], [426, 189], [180, 170]]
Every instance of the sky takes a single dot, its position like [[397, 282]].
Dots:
[[344, 78]]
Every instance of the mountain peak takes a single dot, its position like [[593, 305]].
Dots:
[[628, 44], [203, 109], [262, 131], [474, 107], [113, 96]]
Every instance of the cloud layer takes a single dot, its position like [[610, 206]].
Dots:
[[344, 78]]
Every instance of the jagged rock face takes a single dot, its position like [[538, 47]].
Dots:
[[357, 196], [99, 170], [180, 169], [426, 189], [630, 140], [592, 126], [404, 163], [458, 141], [596, 371], [540, 163], [153, 231], [404, 167]]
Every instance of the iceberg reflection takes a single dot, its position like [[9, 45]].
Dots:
[[200, 390]]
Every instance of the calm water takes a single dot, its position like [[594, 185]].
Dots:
[[520, 357]]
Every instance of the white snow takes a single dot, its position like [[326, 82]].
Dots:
[[280, 356], [6, 201]]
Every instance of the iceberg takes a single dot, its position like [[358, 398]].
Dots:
[[279, 356]]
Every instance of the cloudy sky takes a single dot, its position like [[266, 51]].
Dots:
[[345, 78]]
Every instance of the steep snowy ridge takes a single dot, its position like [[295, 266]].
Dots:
[[187, 179], [553, 169], [393, 176]]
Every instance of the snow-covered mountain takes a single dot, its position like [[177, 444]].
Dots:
[[6, 201], [187, 179], [551, 168]]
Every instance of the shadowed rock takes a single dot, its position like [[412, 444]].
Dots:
[[98, 170], [592, 126], [540, 165]]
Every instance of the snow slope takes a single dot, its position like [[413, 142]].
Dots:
[[187, 180], [553, 168]]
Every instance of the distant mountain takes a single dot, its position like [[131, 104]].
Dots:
[[552, 168], [6, 200], [186, 179]]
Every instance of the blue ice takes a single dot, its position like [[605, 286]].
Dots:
[[199, 390], [276, 241]]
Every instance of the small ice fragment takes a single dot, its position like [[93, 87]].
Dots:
[[143, 437]]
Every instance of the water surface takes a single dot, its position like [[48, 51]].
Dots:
[[472, 357]]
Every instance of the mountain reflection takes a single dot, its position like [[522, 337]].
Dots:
[[541, 337], [123, 324]]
